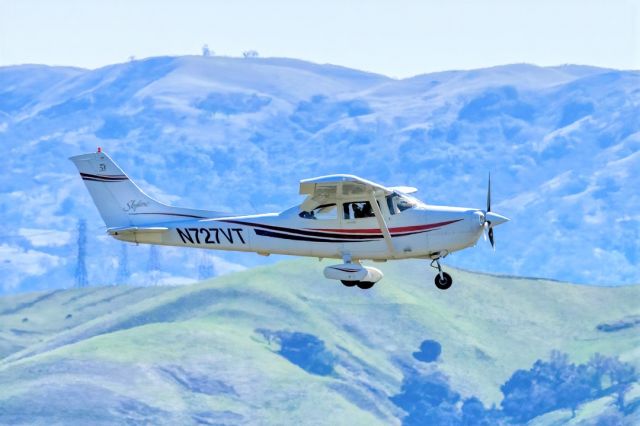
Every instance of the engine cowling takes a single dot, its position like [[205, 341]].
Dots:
[[353, 272]]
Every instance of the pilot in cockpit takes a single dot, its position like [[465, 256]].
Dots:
[[367, 211], [307, 215]]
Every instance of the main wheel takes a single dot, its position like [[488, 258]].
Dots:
[[365, 285], [444, 282], [349, 283]]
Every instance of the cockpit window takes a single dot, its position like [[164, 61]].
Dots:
[[322, 212], [398, 203]]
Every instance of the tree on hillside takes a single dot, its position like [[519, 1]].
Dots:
[[427, 399], [622, 376], [548, 385], [557, 383], [250, 54], [475, 414], [205, 51]]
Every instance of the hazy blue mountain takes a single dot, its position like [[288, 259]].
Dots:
[[282, 345], [562, 144]]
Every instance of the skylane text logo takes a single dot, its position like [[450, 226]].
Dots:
[[134, 205]]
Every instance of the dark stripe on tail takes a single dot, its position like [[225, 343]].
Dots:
[[103, 178]]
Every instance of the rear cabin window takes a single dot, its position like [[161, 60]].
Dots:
[[323, 212]]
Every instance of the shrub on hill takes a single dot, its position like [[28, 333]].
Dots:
[[304, 350], [429, 351]]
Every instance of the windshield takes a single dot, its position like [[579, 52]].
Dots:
[[398, 203]]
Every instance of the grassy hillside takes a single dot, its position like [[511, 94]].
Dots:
[[212, 352]]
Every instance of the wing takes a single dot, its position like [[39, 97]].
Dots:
[[328, 189], [404, 189], [332, 187]]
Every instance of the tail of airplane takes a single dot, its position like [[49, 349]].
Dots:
[[120, 202]]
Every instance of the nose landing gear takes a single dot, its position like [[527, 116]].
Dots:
[[443, 280]]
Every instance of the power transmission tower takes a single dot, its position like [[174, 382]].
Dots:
[[122, 277], [153, 265], [81, 267], [206, 268]]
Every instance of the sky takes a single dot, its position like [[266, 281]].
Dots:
[[398, 38]]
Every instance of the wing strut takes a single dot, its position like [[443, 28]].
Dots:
[[381, 223]]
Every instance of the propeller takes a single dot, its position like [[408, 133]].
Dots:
[[491, 219], [488, 229]]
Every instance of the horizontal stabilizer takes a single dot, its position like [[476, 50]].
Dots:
[[137, 230]]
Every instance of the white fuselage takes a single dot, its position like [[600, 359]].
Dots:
[[419, 232]]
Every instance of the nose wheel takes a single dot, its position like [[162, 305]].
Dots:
[[442, 280]]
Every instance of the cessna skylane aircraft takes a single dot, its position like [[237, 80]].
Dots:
[[342, 217]]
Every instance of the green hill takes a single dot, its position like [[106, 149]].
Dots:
[[213, 352]]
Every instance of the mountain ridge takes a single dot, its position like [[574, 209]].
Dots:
[[561, 143]]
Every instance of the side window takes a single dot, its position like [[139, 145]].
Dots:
[[323, 212], [357, 210], [390, 203]]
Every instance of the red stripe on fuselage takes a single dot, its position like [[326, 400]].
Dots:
[[399, 229]]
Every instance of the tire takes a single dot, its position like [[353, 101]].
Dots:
[[365, 285], [349, 283], [445, 283]]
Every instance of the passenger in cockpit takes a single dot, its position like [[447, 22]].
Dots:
[[357, 211]]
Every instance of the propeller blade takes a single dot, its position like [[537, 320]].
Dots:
[[489, 194], [491, 240]]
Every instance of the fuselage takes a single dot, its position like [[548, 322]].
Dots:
[[418, 232]]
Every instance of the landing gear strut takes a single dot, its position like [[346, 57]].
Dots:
[[353, 270], [443, 280]]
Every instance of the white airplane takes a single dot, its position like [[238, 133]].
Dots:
[[342, 217]]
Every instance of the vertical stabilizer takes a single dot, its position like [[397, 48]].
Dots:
[[120, 202]]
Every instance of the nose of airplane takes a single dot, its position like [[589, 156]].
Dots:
[[495, 218]]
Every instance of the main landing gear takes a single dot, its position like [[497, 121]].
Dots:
[[443, 280], [365, 285]]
